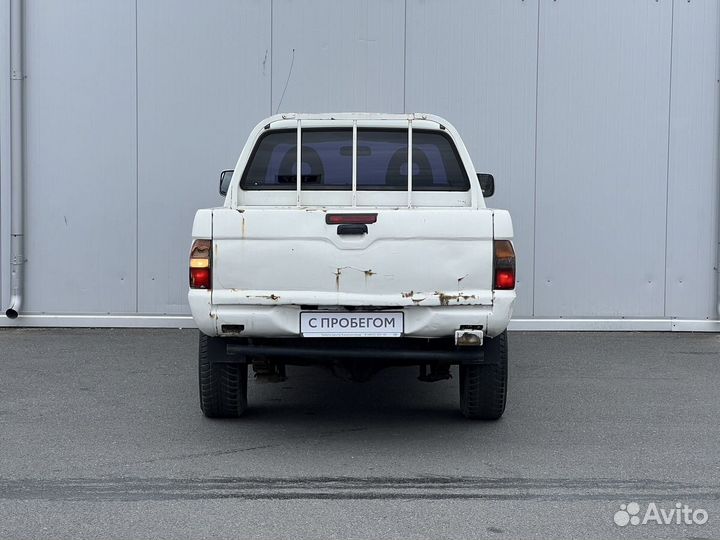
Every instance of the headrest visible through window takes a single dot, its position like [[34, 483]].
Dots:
[[397, 169], [309, 158]]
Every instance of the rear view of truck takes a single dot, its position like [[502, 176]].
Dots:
[[358, 241]]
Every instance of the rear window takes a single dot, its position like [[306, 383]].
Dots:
[[382, 161]]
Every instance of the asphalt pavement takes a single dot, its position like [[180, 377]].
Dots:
[[101, 436]]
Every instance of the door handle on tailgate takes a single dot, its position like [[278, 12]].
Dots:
[[352, 228]]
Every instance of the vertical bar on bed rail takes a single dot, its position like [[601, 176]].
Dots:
[[354, 164], [409, 166], [298, 172]]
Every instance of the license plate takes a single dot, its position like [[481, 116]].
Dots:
[[344, 324]]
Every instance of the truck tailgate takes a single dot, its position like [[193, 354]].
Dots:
[[409, 256]]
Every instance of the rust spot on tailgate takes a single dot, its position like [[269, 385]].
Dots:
[[368, 273], [411, 296], [445, 299], [272, 296]]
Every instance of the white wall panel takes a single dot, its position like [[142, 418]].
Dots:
[[81, 162], [693, 170], [475, 64], [348, 55], [203, 83], [598, 118], [603, 102]]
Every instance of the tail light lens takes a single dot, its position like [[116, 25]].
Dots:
[[504, 265], [201, 264], [340, 219]]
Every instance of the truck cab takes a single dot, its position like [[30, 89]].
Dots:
[[358, 241]]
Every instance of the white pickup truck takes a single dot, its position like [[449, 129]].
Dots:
[[357, 241]]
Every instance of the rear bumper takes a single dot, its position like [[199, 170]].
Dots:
[[272, 321], [391, 351]]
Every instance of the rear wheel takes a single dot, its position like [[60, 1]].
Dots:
[[483, 387], [223, 386]]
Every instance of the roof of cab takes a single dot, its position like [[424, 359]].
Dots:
[[355, 116], [395, 120]]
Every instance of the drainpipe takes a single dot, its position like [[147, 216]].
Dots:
[[17, 139]]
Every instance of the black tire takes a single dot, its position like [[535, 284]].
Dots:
[[483, 387], [223, 387]]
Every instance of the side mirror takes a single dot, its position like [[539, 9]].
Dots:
[[225, 178], [487, 184]]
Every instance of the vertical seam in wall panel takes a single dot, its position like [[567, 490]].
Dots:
[[137, 171], [272, 64], [537, 93], [405, 57], [667, 170]]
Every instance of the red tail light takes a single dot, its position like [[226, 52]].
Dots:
[[504, 265], [201, 264], [341, 219]]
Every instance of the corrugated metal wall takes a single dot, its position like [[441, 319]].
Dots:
[[599, 119]]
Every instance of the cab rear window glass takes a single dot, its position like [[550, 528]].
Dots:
[[382, 161]]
